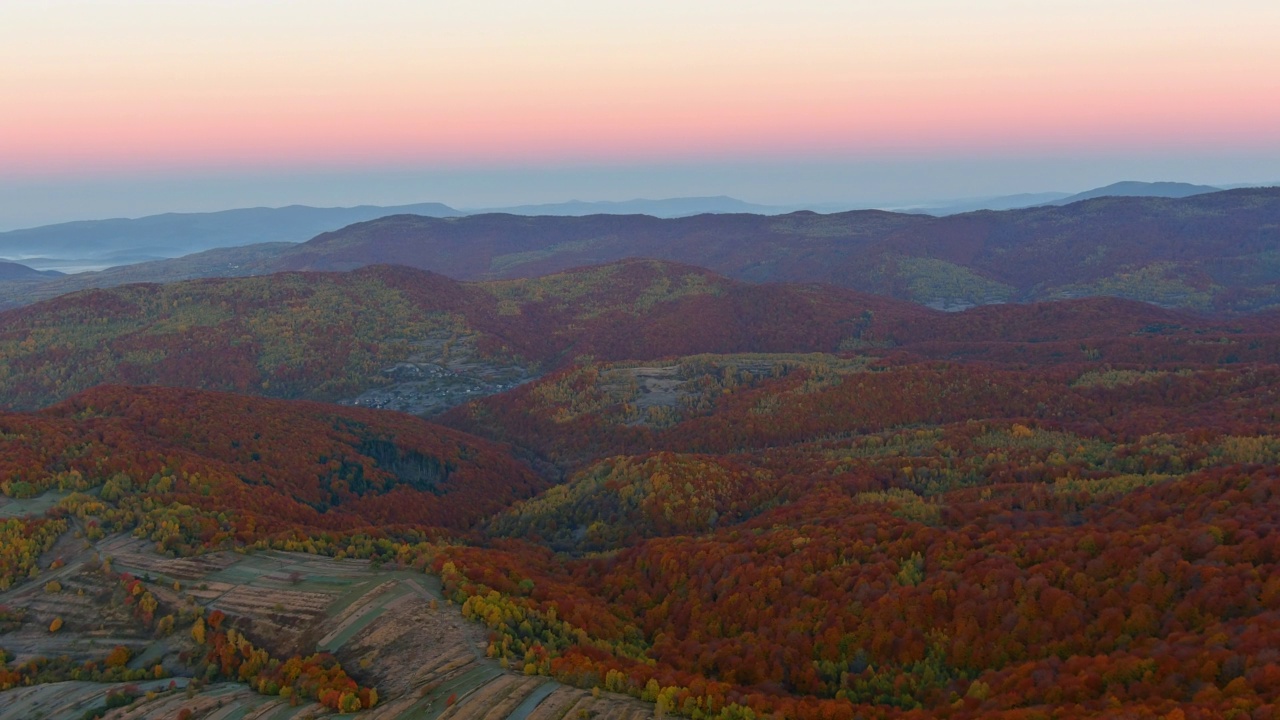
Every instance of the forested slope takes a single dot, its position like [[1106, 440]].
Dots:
[[200, 470], [929, 538], [329, 336]]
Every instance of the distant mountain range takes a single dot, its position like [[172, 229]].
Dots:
[[1215, 252], [668, 208], [101, 243], [98, 244], [1132, 188], [1211, 252]]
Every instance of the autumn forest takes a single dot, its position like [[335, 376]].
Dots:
[[634, 489]]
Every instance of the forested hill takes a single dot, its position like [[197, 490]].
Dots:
[[924, 540], [392, 336], [275, 466], [331, 336]]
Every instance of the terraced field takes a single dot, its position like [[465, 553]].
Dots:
[[391, 628], [90, 628], [75, 699]]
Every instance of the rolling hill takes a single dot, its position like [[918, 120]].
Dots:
[[395, 337]]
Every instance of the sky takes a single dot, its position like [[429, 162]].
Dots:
[[129, 107]]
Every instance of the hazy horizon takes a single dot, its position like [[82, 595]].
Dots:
[[886, 184], [130, 108]]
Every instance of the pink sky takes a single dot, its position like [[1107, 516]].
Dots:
[[132, 107], [131, 85]]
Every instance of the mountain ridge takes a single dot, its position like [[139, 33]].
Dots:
[[118, 240], [98, 243], [1212, 252], [1207, 252]]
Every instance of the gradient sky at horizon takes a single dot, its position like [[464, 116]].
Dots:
[[147, 106]]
